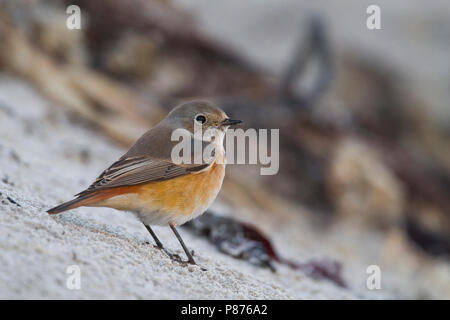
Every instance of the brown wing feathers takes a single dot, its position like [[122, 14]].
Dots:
[[144, 162], [127, 172]]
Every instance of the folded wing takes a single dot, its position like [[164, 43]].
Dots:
[[139, 170]]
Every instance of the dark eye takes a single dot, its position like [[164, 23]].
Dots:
[[200, 118]]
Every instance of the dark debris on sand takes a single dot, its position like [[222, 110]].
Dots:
[[243, 241]]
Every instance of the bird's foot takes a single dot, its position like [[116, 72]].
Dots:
[[156, 246], [176, 257]]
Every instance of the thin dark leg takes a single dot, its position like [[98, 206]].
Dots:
[[158, 243], [188, 254], [160, 246]]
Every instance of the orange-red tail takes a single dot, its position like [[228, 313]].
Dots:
[[91, 198], [72, 204]]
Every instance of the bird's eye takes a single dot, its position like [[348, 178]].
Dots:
[[200, 118]]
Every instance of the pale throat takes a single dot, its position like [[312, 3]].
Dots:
[[215, 136]]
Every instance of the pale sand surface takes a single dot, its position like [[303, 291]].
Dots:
[[45, 159], [41, 165]]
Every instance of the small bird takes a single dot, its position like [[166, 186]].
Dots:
[[146, 180]]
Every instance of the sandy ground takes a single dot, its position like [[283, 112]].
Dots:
[[44, 160], [46, 157]]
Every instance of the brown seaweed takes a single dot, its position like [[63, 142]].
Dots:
[[244, 241]]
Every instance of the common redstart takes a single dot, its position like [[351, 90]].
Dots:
[[149, 183]]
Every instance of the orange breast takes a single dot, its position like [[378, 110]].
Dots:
[[176, 200], [186, 195]]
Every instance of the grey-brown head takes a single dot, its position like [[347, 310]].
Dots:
[[199, 112]]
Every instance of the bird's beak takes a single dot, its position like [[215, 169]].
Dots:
[[230, 122]]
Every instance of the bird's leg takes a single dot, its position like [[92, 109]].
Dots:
[[160, 246], [188, 254], [158, 243]]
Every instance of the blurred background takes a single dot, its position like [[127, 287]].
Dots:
[[363, 114]]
